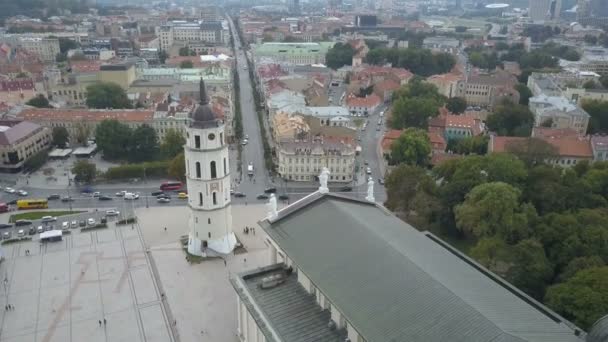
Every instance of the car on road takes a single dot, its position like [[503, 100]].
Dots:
[[65, 225], [91, 221], [283, 197], [121, 193], [239, 194], [245, 142], [48, 218], [104, 198], [10, 190], [21, 233], [182, 195], [368, 171], [6, 235], [163, 196], [378, 128], [346, 189], [246, 136], [104, 220], [270, 190], [13, 202], [82, 223], [131, 196], [262, 196], [74, 224], [31, 231], [22, 193], [67, 199], [53, 197], [157, 193], [40, 229], [5, 225], [365, 162], [49, 227], [96, 194], [112, 212], [381, 181], [22, 223], [163, 200]]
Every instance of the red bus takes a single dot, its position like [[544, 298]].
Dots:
[[171, 185], [3, 207]]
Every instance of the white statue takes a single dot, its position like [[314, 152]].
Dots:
[[272, 207], [323, 177], [370, 190]]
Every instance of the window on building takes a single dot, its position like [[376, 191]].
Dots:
[[198, 170], [215, 198], [222, 139], [197, 141], [200, 198], [225, 169], [213, 170]]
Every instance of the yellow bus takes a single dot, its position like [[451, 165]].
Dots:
[[32, 204]]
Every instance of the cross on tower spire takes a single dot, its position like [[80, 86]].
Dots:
[[203, 93]]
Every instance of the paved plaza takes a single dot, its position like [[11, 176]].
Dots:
[[62, 290]]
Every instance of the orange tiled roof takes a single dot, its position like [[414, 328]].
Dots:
[[566, 146], [387, 85], [368, 101], [44, 114]]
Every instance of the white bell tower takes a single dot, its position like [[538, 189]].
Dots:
[[208, 175]]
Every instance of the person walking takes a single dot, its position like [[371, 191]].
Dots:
[[104, 321], [100, 323]]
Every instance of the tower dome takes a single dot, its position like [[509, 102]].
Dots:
[[599, 331], [203, 116]]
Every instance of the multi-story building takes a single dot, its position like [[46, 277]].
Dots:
[[303, 161], [592, 12], [122, 74], [558, 112], [599, 146], [488, 89], [345, 269], [362, 106], [594, 59], [183, 32], [46, 48], [544, 10], [441, 44], [294, 53], [19, 141], [567, 84]]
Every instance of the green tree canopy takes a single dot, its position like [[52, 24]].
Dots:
[[173, 144], [186, 65], [532, 151], [583, 298], [419, 61], [107, 95], [456, 105], [143, 144], [468, 145], [177, 167], [493, 209], [84, 171], [60, 136], [579, 264], [413, 147], [511, 119], [415, 104], [66, 44], [531, 269], [598, 110], [339, 55], [113, 138], [524, 93], [40, 101]]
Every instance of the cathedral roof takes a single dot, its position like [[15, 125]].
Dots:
[[203, 116]]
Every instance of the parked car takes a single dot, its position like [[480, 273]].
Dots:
[[6, 235], [104, 198], [31, 231], [368, 171], [49, 227], [49, 218], [163, 200], [22, 223], [96, 194], [262, 196], [82, 223], [21, 233], [67, 199], [91, 221], [5, 225], [74, 224], [163, 196], [131, 196], [182, 195], [381, 181], [121, 193], [112, 212], [104, 220], [22, 193], [53, 197], [244, 142], [10, 190], [284, 197], [40, 229], [270, 190], [65, 225], [157, 193], [239, 194]]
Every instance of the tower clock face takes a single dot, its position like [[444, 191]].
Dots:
[[211, 136]]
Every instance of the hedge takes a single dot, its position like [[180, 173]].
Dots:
[[152, 169], [126, 221]]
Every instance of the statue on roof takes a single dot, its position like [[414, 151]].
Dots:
[[272, 207], [370, 190], [323, 178]]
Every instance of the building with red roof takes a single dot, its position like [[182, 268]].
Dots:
[[569, 150], [362, 106]]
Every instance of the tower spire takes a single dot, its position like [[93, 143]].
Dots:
[[203, 93]]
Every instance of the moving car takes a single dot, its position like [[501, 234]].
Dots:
[[182, 195], [31, 231], [105, 198], [112, 212], [262, 196], [245, 142], [22, 193], [91, 221], [96, 194], [368, 171], [40, 229], [22, 223], [163, 200], [121, 193], [131, 196], [5, 225], [381, 181], [157, 193], [49, 218], [270, 190], [284, 197], [163, 196], [65, 225], [10, 190], [82, 223], [239, 194], [250, 169], [53, 197], [67, 199]]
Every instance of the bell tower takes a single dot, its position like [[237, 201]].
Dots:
[[208, 175]]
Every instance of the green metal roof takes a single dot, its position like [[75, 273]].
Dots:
[[394, 283]]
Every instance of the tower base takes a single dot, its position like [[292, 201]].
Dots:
[[215, 248]]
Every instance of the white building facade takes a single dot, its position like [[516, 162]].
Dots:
[[208, 175]]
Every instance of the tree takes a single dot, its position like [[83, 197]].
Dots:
[[493, 209], [511, 119], [113, 138], [456, 105], [494, 254], [339, 55], [598, 110], [39, 102], [524, 93], [60, 136], [36, 161], [413, 147], [177, 167], [413, 112], [532, 151], [531, 269], [186, 65], [143, 144], [589, 39], [107, 95], [61, 57], [579, 264], [66, 44], [583, 298], [162, 56], [604, 81], [184, 51], [476, 145], [590, 85], [172, 144], [83, 132], [84, 171]]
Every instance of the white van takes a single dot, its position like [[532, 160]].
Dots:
[[250, 169], [21, 233], [131, 196]]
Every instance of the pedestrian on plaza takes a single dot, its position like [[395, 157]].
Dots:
[[225, 262], [6, 308], [253, 228], [104, 321], [99, 322], [245, 260], [165, 228]]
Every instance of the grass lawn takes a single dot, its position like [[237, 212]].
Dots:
[[36, 215]]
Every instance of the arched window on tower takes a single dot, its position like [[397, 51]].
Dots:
[[222, 139], [213, 170], [225, 169], [198, 170], [200, 199], [215, 198]]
